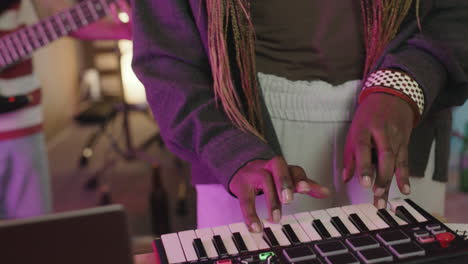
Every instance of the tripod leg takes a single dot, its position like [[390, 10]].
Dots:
[[87, 151], [182, 194], [105, 198], [159, 205]]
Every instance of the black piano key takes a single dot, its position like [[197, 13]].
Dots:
[[219, 245], [240, 244], [290, 234], [320, 228], [199, 248], [419, 209], [160, 251], [401, 212], [270, 237], [382, 213], [357, 221], [338, 224]]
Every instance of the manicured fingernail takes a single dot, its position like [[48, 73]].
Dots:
[[255, 227], [381, 204], [366, 181], [324, 190], [287, 195], [343, 174], [276, 216], [303, 187], [406, 189], [379, 192]]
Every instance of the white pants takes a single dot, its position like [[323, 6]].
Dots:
[[311, 120], [25, 189]]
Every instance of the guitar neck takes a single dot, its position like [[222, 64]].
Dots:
[[20, 44]]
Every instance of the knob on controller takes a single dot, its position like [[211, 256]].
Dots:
[[445, 239]]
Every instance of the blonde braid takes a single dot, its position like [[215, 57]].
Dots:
[[382, 20], [234, 14]]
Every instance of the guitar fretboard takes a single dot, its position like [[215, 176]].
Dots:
[[20, 44]]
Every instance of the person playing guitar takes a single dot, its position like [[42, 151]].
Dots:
[[24, 179]]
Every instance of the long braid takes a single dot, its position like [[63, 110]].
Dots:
[[234, 14], [382, 20]]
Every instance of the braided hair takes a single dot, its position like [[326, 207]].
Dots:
[[229, 24]]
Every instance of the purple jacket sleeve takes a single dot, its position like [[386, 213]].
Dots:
[[437, 56], [170, 60]]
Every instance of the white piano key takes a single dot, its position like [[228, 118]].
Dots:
[[206, 236], [186, 239], [397, 219], [226, 236], [259, 241], [277, 230], [249, 241], [353, 209], [173, 248], [325, 218], [305, 221], [296, 227], [371, 211], [394, 203], [337, 211]]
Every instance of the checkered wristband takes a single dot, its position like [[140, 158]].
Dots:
[[397, 83]]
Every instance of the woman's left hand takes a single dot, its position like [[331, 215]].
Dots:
[[383, 122]]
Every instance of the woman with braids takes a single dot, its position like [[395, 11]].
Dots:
[[273, 100]]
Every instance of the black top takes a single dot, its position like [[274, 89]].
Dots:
[[303, 39], [5, 4]]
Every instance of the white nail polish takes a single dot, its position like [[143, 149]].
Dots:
[[276, 216], [287, 196], [366, 181], [324, 190], [379, 192], [255, 227], [406, 189], [303, 186], [381, 204]]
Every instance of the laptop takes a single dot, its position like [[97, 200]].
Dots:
[[90, 236]]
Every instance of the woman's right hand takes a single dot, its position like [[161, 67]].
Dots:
[[278, 181]]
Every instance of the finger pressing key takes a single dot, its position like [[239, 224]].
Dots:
[[247, 205], [282, 179], [271, 197], [402, 170]]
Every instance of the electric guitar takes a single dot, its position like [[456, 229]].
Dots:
[[20, 44]]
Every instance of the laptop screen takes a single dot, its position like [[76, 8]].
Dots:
[[92, 236]]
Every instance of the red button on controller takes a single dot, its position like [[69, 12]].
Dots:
[[224, 261], [445, 239]]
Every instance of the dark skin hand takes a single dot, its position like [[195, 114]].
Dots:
[[278, 181], [384, 121]]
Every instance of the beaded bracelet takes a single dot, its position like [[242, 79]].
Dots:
[[397, 83]]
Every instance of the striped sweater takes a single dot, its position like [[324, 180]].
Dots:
[[19, 80]]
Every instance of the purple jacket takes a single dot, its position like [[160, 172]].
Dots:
[[170, 58]]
